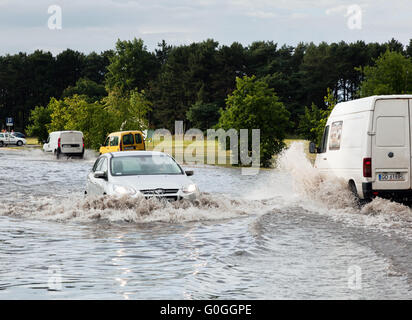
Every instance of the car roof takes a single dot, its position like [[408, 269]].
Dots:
[[137, 153]]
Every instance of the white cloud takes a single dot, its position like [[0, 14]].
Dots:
[[96, 24], [336, 10]]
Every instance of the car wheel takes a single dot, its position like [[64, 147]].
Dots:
[[1, 143], [19, 143]]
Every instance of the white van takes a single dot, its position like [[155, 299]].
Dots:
[[68, 143], [367, 142]]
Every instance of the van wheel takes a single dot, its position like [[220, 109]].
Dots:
[[359, 202], [57, 154], [1, 143], [353, 190]]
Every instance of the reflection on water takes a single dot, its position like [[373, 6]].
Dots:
[[250, 237]]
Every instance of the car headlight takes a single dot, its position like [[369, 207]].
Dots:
[[124, 190], [190, 188]]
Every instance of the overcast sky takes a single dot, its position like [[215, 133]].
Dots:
[[95, 25]]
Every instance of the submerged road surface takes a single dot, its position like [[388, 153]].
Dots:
[[283, 234]]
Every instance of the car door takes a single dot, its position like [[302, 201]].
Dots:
[[9, 139], [90, 184], [105, 146], [114, 144], [140, 145], [98, 186], [322, 157]]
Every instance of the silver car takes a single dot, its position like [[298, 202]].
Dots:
[[140, 173], [7, 139]]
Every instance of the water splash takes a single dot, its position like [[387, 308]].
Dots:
[[126, 209], [307, 181], [331, 196]]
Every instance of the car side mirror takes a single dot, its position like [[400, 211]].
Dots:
[[312, 147], [189, 172], [100, 175]]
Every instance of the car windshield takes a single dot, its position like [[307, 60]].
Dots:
[[144, 165]]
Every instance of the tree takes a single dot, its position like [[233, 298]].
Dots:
[[131, 66], [88, 88], [392, 74], [76, 113], [203, 116], [40, 117], [138, 110], [68, 69], [253, 105], [128, 110], [313, 121]]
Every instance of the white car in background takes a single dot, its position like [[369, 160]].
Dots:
[[68, 143], [140, 173], [7, 139]]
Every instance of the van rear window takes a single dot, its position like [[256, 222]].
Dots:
[[128, 139], [138, 138]]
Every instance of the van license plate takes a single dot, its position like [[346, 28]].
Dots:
[[395, 176], [128, 148]]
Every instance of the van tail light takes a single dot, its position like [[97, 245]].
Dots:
[[120, 146], [367, 167], [58, 143], [83, 142]]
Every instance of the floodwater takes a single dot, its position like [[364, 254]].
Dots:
[[282, 234]]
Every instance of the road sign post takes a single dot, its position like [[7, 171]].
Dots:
[[9, 122]]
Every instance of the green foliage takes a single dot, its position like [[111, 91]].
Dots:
[[91, 90], [39, 117], [131, 66], [175, 78], [137, 112], [392, 74], [128, 110], [253, 105], [203, 116], [76, 113], [313, 121], [310, 123]]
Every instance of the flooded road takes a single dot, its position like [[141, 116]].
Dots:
[[283, 234]]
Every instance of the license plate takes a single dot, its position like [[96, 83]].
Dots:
[[393, 176], [128, 148], [70, 145]]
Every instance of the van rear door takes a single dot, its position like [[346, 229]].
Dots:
[[391, 145], [71, 142]]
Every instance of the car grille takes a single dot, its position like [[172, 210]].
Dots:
[[169, 194], [159, 192]]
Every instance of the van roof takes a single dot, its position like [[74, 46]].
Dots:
[[363, 104], [70, 131], [126, 131]]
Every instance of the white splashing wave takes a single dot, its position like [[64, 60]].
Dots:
[[331, 196], [126, 209]]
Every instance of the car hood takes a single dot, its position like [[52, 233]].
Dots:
[[145, 182]]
